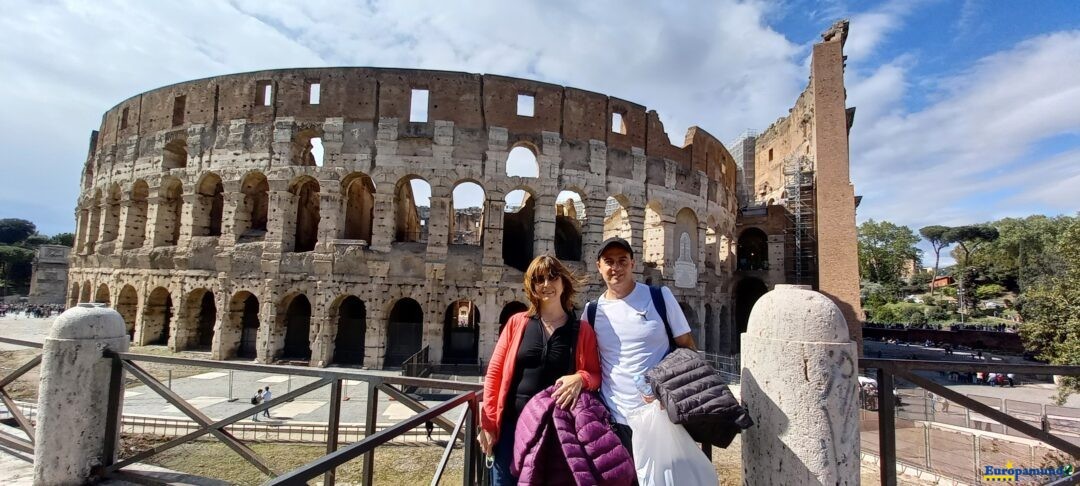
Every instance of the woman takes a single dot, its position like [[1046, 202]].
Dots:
[[538, 348]]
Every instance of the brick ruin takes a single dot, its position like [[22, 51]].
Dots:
[[319, 215]]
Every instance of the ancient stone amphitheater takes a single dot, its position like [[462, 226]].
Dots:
[[355, 215]]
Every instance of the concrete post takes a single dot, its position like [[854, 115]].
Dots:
[[73, 393], [800, 384]]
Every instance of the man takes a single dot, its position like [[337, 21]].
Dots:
[[255, 400], [266, 398], [630, 332]]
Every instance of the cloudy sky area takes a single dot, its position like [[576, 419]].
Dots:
[[967, 111]]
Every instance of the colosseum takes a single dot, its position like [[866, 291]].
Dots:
[[357, 215]]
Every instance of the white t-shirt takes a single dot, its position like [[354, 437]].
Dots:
[[632, 339]]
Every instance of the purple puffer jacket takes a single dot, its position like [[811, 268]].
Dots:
[[556, 446]]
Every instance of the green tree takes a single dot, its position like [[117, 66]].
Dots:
[[935, 234], [1024, 252], [968, 240], [15, 267], [14, 230], [33, 241], [65, 239], [988, 291], [884, 250]]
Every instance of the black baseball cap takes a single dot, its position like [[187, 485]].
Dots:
[[616, 242]]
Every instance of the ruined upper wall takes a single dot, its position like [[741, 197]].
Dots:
[[358, 95]]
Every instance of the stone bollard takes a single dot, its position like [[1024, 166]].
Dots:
[[73, 394], [800, 384]]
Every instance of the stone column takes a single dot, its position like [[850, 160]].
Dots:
[[382, 227], [73, 394], [800, 384]]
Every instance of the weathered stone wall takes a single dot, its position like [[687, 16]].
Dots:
[[48, 283], [201, 196]]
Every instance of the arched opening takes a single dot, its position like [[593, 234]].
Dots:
[[405, 332], [244, 318], [102, 295], [521, 162], [127, 304], [351, 328], [175, 155], [711, 247], [85, 293], [412, 207], [82, 230], [747, 292], [251, 218], [653, 246], [135, 226], [73, 297], [724, 335], [297, 329], [157, 314], [694, 321], [518, 231], [359, 193], [198, 319], [616, 219], [753, 250], [569, 221], [111, 227], [169, 212], [307, 148], [508, 311], [709, 329], [467, 218], [461, 333], [206, 217], [95, 222], [306, 231]]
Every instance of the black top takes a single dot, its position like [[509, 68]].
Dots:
[[540, 361]]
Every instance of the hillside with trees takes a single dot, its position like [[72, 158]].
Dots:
[[19, 240]]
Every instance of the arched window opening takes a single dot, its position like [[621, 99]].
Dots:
[[83, 230], [307, 148], [206, 217], [351, 328], [747, 293], [297, 329], [412, 208], [157, 314], [616, 220], [85, 293], [198, 319], [653, 247], [467, 220], [251, 218], [73, 297], [405, 331], [127, 304], [712, 247], [522, 162], [95, 222], [306, 231], [508, 311], [111, 228], [694, 321], [569, 221], [135, 231], [169, 213], [102, 295], [686, 237], [359, 192], [518, 232], [709, 326], [175, 155], [461, 333], [753, 250], [243, 321]]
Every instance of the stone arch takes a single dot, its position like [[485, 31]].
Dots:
[[156, 316], [251, 218], [461, 333], [102, 294], [686, 222], [653, 247], [170, 211], [304, 151], [195, 330], [175, 155], [306, 227], [617, 218], [82, 229], [240, 335], [519, 224], [135, 225], [111, 226], [695, 322], [95, 221], [570, 220], [209, 206], [85, 294], [358, 194], [521, 161], [351, 316], [708, 344], [73, 296], [747, 292], [297, 321], [404, 331], [508, 311], [724, 333], [467, 211], [753, 250], [127, 304], [410, 217]]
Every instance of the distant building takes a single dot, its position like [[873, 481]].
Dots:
[[48, 284], [942, 281]]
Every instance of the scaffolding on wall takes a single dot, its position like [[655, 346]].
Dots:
[[802, 231]]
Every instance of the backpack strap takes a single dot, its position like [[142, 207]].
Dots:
[[590, 312], [657, 294]]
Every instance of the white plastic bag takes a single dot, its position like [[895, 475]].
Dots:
[[664, 453]]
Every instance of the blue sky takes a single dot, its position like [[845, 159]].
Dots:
[[967, 111]]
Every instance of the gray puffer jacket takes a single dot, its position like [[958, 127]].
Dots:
[[695, 396]]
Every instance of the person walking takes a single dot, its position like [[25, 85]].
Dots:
[[630, 332], [255, 400], [538, 348], [266, 396]]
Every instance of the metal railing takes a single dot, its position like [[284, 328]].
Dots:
[[889, 369], [24, 423], [326, 465]]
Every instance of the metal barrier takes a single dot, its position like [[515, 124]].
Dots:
[[888, 420], [24, 423], [326, 466]]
